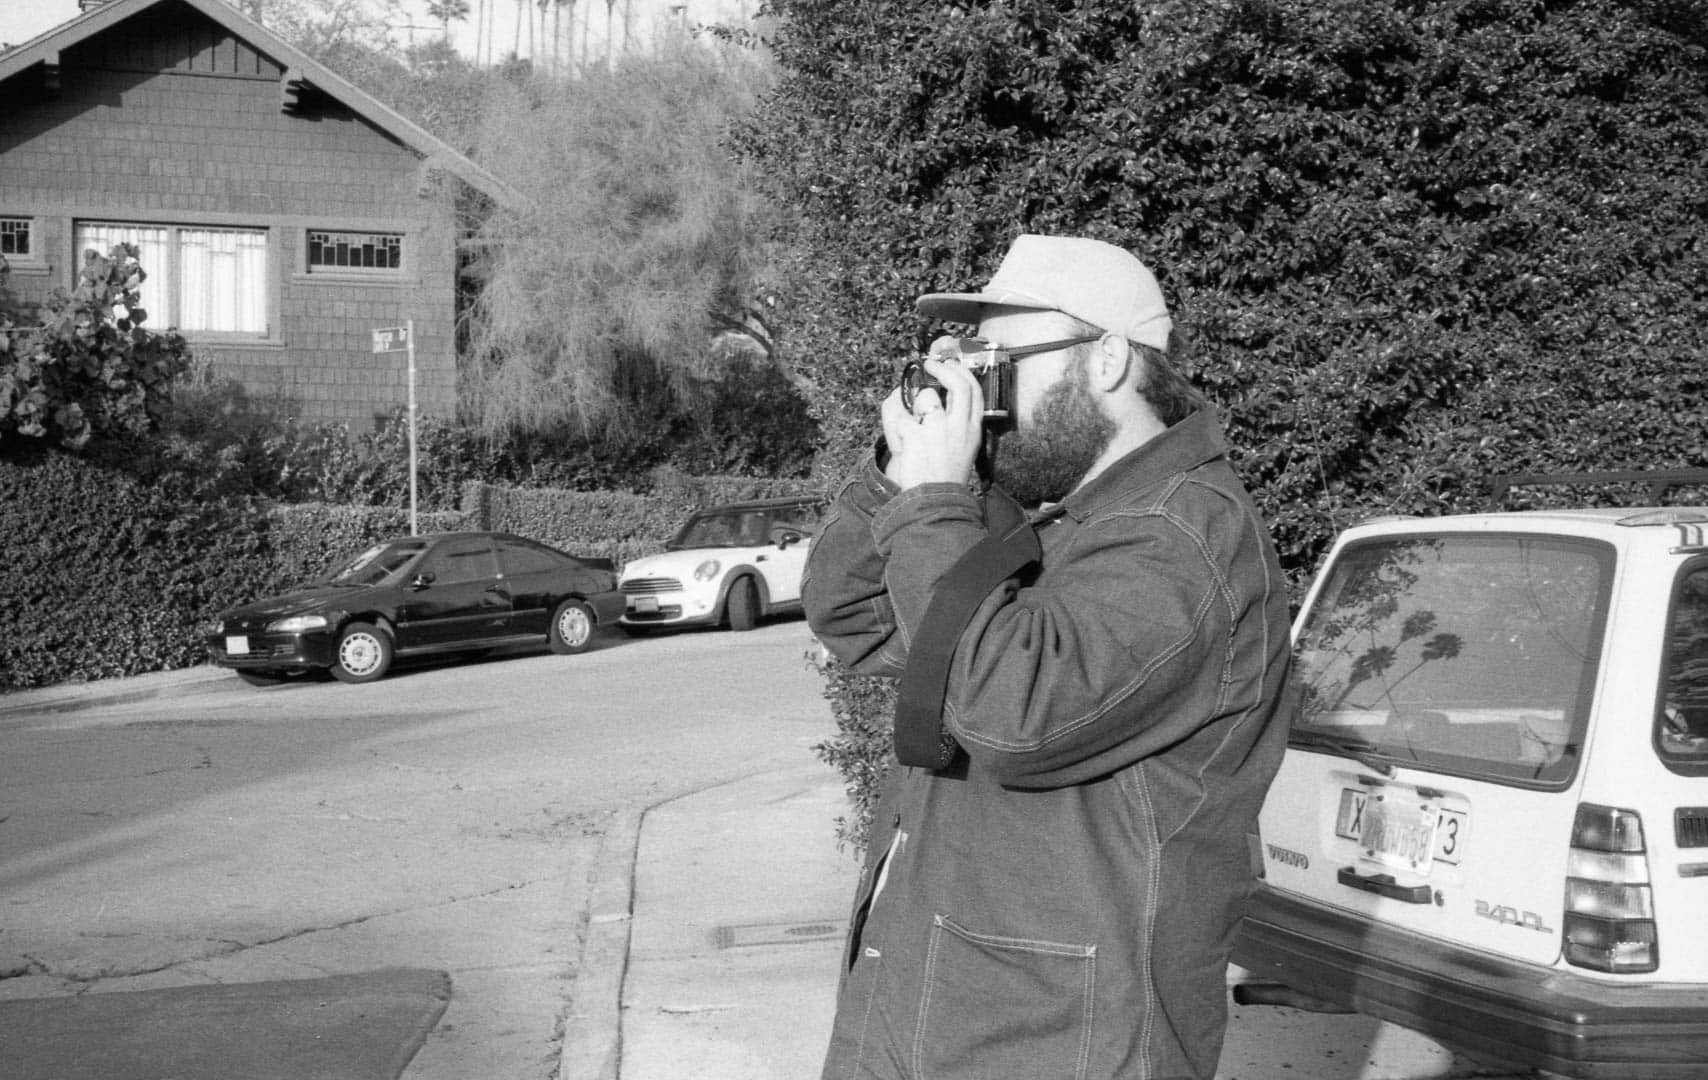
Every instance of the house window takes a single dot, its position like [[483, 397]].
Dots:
[[15, 237], [198, 279], [354, 252]]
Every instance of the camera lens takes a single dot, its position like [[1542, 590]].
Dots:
[[915, 378]]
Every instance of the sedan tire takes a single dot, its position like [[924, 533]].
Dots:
[[572, 627], [364, 654]]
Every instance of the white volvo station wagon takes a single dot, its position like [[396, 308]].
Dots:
[[1491, 824]]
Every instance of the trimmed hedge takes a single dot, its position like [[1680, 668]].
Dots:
[[109, 573], [618, 525]]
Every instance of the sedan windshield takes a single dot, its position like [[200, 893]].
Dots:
[[375, 565]]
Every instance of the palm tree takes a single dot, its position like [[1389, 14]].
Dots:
[[446, 11]]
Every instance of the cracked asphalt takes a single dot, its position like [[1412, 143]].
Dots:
[[446, 817]]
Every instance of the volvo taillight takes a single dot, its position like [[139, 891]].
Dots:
[[1610, 908]]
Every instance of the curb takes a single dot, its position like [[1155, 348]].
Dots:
[[71, 697], [592, 1047]]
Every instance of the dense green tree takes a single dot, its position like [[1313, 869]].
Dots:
[[1412, 242]]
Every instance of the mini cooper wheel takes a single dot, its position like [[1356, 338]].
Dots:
[[364, 653], [743, 605], [572, 627]]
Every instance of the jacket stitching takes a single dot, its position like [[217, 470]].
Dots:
[[866, 1014], [925, 996], [1134, 778]]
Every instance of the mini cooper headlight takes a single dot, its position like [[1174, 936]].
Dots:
[[707, 570], [296, 624]]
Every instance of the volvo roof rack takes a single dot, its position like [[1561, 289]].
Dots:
[[1658, 481]]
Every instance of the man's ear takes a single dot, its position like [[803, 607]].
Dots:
[[1110, 361]]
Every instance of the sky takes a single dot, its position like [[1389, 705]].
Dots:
[[21, 20]]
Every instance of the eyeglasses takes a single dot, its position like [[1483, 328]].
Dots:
[[1017, 352]]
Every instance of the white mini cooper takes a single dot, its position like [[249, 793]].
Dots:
[[728, 565], [1491, 824]]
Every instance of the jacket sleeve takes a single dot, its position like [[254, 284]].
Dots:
[[1118, 650], [845, 590]]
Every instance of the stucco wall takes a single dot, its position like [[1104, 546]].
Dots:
[[175, 122]]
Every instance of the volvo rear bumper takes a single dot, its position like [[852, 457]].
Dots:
[[1540, 1017]]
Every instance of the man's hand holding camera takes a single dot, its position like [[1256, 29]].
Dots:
[[938, 440]]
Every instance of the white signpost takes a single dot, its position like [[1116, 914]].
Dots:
[[394, 339]]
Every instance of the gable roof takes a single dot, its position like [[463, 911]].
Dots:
[[299, 70]]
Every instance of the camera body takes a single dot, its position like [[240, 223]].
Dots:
[[992, 367]]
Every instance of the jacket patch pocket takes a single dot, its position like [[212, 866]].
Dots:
[[1003, 1007]]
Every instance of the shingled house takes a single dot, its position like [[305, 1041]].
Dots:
[[283, 214]]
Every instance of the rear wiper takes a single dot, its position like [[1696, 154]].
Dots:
[[1357, 749]]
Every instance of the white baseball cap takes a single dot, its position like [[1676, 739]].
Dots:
[[1091, 280]]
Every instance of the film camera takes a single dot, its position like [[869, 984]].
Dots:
[[992, 367]]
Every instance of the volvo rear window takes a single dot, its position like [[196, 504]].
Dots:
[[1473, 655]]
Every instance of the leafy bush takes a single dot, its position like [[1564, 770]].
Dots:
[[752, 422], [89, 368], [862, 707]]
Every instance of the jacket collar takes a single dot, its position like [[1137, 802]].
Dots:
[[1188, 444]]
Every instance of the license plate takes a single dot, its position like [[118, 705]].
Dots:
[[1396, 827], [644, 604], [236, 644]]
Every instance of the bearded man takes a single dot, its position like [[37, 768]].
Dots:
[[1090, 696]]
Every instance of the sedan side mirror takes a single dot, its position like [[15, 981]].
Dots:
[[421, 581]]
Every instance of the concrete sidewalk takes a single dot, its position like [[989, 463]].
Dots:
[[724, 965]]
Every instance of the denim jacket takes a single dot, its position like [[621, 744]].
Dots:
[[1060, 901]]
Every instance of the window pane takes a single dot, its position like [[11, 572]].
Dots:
[[1684, 708], [329, 250], [151, 241], [14, 236], [1473, 655], [457, 561], [222, 280]]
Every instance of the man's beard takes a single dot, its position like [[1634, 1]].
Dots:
[[1067, 436]]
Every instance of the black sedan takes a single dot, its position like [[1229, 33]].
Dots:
[[416, 596]]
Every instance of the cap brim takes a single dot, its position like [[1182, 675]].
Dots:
[[965, 307]]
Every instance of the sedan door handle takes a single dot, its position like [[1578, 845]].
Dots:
[[1384, 885]]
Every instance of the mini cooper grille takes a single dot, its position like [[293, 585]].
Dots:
[[1690, 826], [651, 585]]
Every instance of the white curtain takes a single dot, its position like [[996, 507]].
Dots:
[[222, 283], [151, 242], [222, 273]]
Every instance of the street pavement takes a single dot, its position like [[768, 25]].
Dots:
[[714, 929]]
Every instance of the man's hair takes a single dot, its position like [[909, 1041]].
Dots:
[[1162, 385]]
